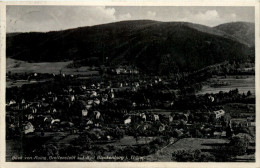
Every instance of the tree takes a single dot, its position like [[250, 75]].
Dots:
[[144, 150], [249, 93], [136, 136], [205, 118], [199, 134], [70, 150], [239, 145], [228, 131], [118, 133], [212, 119]]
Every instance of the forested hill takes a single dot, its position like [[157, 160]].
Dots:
[[243, 31], [150, 45]]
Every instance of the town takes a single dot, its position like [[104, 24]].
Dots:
[[124, 114]]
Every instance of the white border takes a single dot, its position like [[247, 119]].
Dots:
[[255, 3]]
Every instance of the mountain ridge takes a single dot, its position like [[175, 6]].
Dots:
[[145, 43]]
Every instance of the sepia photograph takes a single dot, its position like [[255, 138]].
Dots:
[[130, 83]]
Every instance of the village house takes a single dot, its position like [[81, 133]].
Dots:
[[93, 94], [54, 110], [11, 102], [219, 113], [112, 95], [251, 121], [119, 70], [33, 109], [170, 118], [143, 116], [128, 120], [47, 121], [90, 122], [55, 121], [72, 98], [54, 98], [104, 98], [28, 128], [84, 112], [30, 117], [125, 70], [211, 98], [90, 102], [88, 106], [134, 104], [143, 127], [83, 87], [161, 128], [96, 101], [217, 134], [97, 115], [156, 117]]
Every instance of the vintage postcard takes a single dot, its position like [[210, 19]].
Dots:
[[104, 84]]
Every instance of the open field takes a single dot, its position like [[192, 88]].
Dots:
[[244, 83], [130, 140], [17, 66], [19, 83], [240, 109], [187, 143]]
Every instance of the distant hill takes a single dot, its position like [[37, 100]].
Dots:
[[150, 45], [243, 31]]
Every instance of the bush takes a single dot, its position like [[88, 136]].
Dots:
[[237, 146]]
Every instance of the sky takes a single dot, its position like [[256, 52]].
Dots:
[[53, 18]]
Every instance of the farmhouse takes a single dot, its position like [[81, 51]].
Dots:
[[219, 113]]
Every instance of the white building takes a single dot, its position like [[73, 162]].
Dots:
[[219, 113]]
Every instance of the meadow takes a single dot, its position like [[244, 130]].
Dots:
[[242, 83]]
